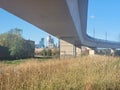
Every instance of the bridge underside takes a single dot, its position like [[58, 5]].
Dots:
[[65, 19], [51, 16]]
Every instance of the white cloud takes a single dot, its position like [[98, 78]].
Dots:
[[92, 16]]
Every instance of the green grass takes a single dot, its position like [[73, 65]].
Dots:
[[82, 73], [19, 61], [13, 61]]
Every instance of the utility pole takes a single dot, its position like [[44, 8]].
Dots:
[[94, 32], [106, 36]]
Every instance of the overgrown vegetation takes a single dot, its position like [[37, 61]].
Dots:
[[15, 46], [47, 53], [83, 73]]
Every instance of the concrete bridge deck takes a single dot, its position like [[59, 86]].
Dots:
[[65, 19]]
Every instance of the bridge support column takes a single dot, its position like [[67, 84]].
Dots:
[[68, 50], [91, 51]]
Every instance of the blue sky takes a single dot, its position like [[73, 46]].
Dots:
[[103, 17], [8, 21]]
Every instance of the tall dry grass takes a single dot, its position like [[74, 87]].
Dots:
[[82, 73]]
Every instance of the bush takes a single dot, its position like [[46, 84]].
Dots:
[[17, 46], [44, 52]]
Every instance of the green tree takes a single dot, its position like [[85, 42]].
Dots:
[[44, 52], [7, 39], [17, 45], [16, 31], [49, 52]]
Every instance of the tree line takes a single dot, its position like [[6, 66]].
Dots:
[[14, 46]]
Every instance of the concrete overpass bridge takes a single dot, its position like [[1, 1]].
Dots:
[[65, 19]]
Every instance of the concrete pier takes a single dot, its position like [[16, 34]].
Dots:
[[68, 49]]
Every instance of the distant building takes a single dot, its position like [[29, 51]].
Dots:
[[50, 42], [41, 43], [36, 45]]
